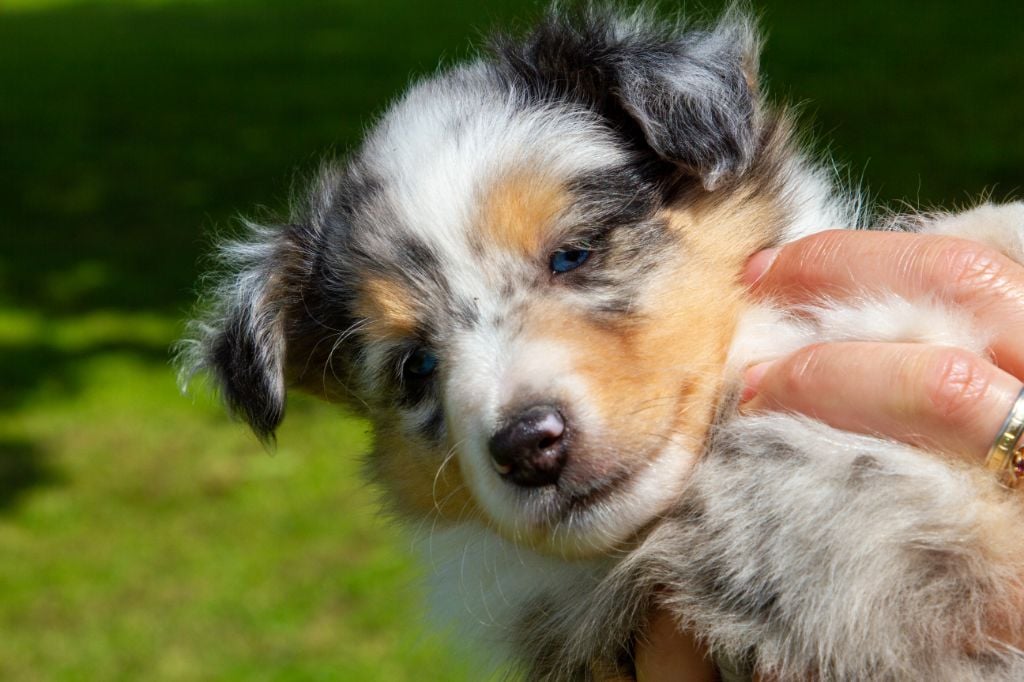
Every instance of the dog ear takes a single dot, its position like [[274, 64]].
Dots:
[[241, 338], [689, 94], [695, 99]]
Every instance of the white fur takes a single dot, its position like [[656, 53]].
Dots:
[[436, 185], [1001, 227], [767, 333], [479, 582]]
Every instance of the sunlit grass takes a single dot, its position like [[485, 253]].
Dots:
[[159, 541], [78, 332]]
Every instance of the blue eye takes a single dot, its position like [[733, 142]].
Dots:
[[565, 260], [421, 364]]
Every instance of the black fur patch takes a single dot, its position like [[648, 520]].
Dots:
[[246, 379]]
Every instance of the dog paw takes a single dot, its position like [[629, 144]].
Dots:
[[999, 226]]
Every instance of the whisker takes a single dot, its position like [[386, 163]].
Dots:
[[440, 469]]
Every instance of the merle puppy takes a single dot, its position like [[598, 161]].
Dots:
[[527, 280]]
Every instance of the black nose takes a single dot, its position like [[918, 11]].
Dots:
[[531, 449]]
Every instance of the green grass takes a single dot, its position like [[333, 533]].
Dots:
[[146, 536]]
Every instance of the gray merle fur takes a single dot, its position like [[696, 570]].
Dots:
[[688, 96], [765, 555]]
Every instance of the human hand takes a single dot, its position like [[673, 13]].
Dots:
[[945, 399], [666, 654]]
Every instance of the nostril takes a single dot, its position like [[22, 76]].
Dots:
[[530, 450]]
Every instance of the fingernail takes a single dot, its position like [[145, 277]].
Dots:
[[758, 265], [752, 380]]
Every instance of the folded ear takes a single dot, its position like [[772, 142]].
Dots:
[[689, 94], [241, 337], [696, 98]]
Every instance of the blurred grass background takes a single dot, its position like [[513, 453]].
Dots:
[[144, 535]]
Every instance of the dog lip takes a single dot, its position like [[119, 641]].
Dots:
[[599, 492], [559, 501]]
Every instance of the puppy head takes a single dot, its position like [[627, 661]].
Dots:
[[526, 278]]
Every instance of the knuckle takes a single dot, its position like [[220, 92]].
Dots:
[[973, 267], [956, 383]]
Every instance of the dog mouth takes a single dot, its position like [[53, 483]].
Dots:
[[587, 512], [567, 504]]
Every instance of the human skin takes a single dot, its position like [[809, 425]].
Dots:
[[946, 400]]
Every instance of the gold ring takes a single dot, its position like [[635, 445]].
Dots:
[[1006, 456]]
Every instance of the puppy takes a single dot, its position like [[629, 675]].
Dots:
[[527, 280]]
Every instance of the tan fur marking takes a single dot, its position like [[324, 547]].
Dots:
[[519, 210], [703, 298], [727, 232], [421, 481], [657, 376], [387, 307], [652, 381]]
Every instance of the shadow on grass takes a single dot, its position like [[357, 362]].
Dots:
[[23, 467], [26, 369], [141, 126]]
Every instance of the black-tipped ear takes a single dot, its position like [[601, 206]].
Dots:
[[247, 357], [241, 338], [689, 94]]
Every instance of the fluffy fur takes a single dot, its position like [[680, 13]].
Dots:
[[789, 547]]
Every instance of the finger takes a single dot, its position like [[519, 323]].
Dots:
[[848, 262], [667, 655], [940, 398]]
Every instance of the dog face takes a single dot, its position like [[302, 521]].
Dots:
[[526, 278]]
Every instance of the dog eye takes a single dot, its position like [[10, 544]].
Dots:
[[421, 364], [565, 260]]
